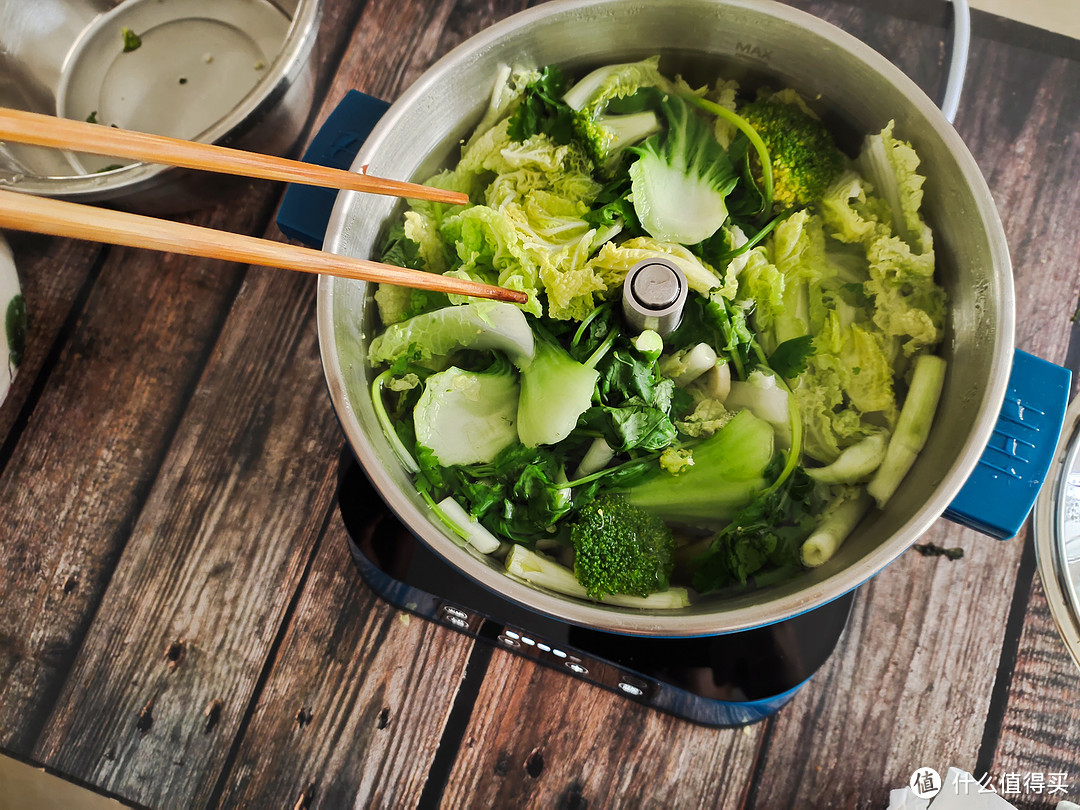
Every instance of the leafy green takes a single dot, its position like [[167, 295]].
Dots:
[[789, 358], [542, 109], [728, 472], [397, 303], [555, 390], [766, 532], [468, 417], [433, 336], [605, 122], [132, 41]]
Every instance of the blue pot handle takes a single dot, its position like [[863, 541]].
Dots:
[[999, 494], [996, 498], [305, 210]]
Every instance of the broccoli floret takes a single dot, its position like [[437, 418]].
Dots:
[[619, 548], [805, 159]]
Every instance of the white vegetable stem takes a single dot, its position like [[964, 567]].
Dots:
[[839, 522], [471, 529], [856, 463], [912, 427], [596, 458], [687, 365]]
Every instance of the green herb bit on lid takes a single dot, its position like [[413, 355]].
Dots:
[[92, 117], [132, 41]]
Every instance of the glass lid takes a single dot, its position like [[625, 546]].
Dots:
[[1057, 533]]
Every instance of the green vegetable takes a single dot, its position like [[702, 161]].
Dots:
[[465, 526], [468, 417], [555, 391], [855, 463], [765, 533], [542, 110], [891, 166], [397, 303], [539, 569], [614, 261], [606, 134], [839, 521], [649, 343], [619, 548], [387, 423], [789, 358], [805, 159], [433, 336], [681, 178], [728, 471], [913, 427], [132, 41], [764, 396]]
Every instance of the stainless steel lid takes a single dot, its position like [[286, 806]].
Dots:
[[1057, 533]]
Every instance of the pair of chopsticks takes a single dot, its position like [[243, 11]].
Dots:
[[26, 212]]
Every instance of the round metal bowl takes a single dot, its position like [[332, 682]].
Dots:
[[858, 92], [232, 72]]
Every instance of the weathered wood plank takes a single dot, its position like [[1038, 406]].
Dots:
[[538, 738], [88, 454], [909, 685], [353, 710], [1041, 730], [211, 564], [86, 457]]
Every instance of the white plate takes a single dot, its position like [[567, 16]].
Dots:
[[12, 318]]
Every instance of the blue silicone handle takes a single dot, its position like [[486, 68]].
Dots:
[[999, 494], [305, 210]]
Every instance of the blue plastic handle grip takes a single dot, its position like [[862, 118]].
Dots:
[[305, 210], [999, 494]]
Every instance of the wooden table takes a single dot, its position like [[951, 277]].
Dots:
[[180, 622]]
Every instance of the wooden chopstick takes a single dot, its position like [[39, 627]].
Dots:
[[19, 126], [25, 212]]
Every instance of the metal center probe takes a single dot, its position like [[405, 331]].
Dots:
[[654, 293]]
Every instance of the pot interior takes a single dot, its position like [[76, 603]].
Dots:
[[856, 91]]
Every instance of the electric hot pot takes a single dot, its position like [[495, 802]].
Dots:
[[1000, 411]]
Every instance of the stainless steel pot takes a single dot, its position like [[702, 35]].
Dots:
[[234, 72], [755, 41]]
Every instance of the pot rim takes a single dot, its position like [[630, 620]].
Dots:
[[679, 624]]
